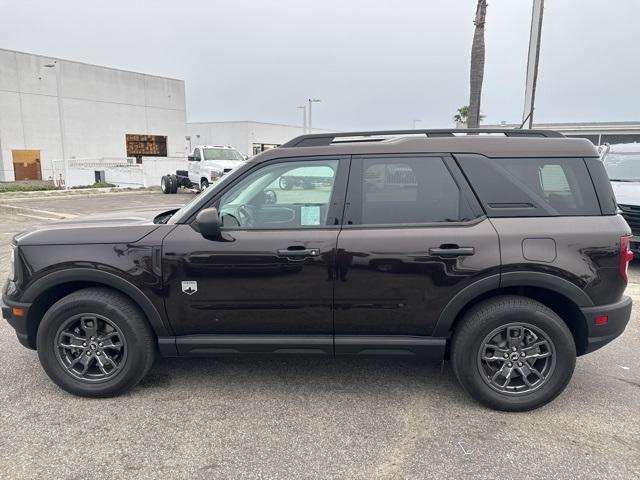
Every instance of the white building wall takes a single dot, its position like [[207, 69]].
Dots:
[[242, 135], [100, 106]]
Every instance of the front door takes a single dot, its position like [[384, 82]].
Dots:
[[413, 237], [267, 283], [26, 165]]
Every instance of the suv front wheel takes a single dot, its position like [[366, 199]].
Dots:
[[513, 353], [95, 343]]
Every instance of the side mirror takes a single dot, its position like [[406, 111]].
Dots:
[[270, 197], [208, 223]]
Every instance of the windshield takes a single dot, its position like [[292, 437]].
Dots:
[[222, 154], [623, 166]]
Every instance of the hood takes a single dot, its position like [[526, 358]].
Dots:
[[627, 193], [221, 164], [124, 226]]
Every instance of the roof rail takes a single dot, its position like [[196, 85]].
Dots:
[[324, 139]]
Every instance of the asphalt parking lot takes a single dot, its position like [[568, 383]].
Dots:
[[302, 417]]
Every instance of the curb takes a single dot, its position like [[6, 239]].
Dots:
[[77, 193]]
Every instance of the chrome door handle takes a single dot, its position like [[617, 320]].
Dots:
[[299, 252], [451, 251]]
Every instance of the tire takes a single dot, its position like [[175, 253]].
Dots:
[[174, 183], [165, 184], [204, 184], [485, 329], [116, 319]]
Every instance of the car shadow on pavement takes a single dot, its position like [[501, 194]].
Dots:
[[302, 374]]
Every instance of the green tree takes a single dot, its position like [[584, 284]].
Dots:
[[462, 115]]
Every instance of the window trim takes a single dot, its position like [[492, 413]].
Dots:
[[336, 201], [353, 205]]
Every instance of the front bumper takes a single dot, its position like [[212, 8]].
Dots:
[[19, 324], [619, 314]]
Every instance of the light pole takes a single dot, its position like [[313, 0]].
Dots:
[[311, 102], [56, 66], [414, 123], [304, 117]]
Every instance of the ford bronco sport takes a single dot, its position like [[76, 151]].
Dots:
[[502, 250]]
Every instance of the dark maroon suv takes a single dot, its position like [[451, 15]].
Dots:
[[502, 250]]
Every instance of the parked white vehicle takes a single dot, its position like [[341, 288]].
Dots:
[[622, 163], [207, 163]]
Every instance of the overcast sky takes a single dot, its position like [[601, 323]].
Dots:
[[374, 63]]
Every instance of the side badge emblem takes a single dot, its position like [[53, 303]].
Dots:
[[189, 287]]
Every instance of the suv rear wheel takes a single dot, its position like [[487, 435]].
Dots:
[[513, 353], [95, 343]]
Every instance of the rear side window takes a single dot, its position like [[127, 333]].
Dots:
[[409, 190], [509, 187]]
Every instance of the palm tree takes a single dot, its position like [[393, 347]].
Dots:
[[462, 116], [477, 65]]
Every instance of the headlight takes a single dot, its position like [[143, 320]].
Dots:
[[12, 263]]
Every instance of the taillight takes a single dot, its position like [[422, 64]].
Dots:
[[625, 255]]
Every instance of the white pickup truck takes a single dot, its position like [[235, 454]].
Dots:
[[207, 163]]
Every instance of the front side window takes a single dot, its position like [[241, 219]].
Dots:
[[406, 190], [282, 195]]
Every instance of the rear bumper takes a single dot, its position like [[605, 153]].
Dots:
[[619, 314], [19, 324]]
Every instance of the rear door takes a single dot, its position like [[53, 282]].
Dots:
[[414, 236]]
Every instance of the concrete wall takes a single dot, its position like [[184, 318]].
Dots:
[[123, 173], [242, 135], [100, 105]]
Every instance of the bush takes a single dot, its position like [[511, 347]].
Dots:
[[39, 187], [27, 187], [95, 185]]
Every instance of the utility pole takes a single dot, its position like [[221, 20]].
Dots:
[[414, 123], [56, 66], [311, 102], [304, 117], [532, 62]]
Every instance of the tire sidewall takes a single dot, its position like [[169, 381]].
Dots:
[[47, 351], [469, 374]]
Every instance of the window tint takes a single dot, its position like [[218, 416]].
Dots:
[[409, 190], [563, 185], [511, 187], [282, 195]]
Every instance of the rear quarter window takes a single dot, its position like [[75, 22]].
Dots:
[[511, 187]]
